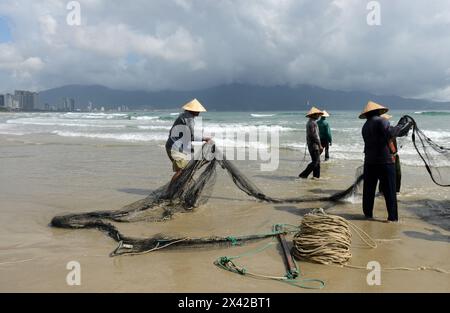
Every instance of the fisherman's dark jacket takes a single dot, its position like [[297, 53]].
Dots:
[[312, 135], [183, 133], [376, 133]]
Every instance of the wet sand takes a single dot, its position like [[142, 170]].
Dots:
[[44, 176]]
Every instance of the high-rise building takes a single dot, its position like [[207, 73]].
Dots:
[[27, 100], [2, 101], [11, 102], [35, 100], [68, 104]]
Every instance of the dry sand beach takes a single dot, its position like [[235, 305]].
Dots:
[[43, 176]]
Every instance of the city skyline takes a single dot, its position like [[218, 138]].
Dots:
[[28, 101], [21, 100]]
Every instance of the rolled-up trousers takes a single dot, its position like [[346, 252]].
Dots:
[[385, 173]]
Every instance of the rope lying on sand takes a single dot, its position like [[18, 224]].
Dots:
[[321, 238], [400, 268], [228, 263], [326, 239]]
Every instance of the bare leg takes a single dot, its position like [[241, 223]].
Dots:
[[175, 176]]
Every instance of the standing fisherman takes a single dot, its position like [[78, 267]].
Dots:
[[313, 141], [379, 163], [179, 144], [325, 134]]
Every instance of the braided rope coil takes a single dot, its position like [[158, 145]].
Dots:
[[324, 239]]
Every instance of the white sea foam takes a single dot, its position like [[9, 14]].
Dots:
[[145, 118], [131, 137], [408, 154], [230, 142], [107, 116], [242, 128], [356, 148], [262, 115], [62, 123], [348, 143], [154, 127], [437, 135]]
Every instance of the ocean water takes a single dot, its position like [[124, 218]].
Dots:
[[153, 127]]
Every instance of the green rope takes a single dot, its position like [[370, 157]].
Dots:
[[233, 240], [291, 278], [277, 229], [252, 252]]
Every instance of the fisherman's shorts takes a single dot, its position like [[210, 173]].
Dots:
[[179, 160]]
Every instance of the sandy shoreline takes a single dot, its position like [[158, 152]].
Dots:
[[43, 176]]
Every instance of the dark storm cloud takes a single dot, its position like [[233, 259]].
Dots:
[[193, 44]]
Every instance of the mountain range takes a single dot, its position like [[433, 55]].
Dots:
[[232, 97]]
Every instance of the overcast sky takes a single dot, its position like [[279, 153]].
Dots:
[[183, 44]]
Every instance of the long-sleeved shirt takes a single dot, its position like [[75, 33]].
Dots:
[[312, 135], [324, 130], [377, 133], [183, 133]]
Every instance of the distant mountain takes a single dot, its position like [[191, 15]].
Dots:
[[233, 97]]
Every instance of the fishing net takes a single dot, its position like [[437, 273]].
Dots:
[[194, 188], [190, 190], [436, 157]]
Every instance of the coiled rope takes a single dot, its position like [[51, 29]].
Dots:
[[326, 239]]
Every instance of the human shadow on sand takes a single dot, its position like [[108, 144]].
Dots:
[[435, 236], [435, 212], [348, 216]]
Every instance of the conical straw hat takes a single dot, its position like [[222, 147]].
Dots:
[[325, 114], [372, 106], [386, 116], [313, 111], [194, 106]]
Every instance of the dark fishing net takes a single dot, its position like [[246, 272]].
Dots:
[[435, 156], [194, 187], [244, 184], [190, 190], [133, 246]]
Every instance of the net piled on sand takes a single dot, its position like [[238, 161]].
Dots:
[[190, 190]]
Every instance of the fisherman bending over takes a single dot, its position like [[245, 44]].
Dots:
[[313, 142], [179, 144]]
